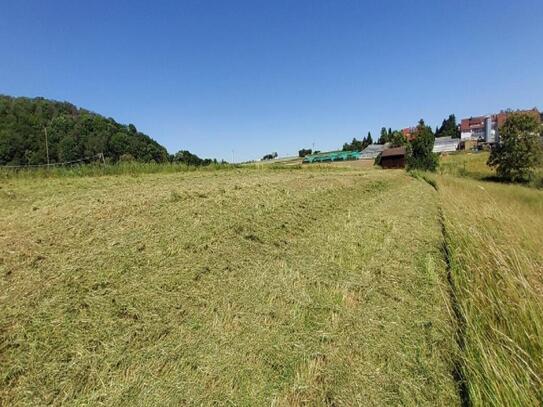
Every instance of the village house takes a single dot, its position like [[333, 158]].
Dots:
[[486, 128]]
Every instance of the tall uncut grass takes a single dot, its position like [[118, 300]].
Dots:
[[474, 165], [96, 169], [495, 242]]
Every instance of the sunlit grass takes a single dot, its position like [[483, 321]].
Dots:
[[473, 165], [99, 169], [495, 240], [302, 285], [243, 287]]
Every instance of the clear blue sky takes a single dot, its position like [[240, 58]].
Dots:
[[263, 76]]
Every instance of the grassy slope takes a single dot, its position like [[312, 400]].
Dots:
[[245, 286], [464, 164], [473, 165], [494, 234]]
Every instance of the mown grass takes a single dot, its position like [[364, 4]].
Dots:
[[242, 287], [495, 244]]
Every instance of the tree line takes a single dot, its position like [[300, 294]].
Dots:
[[35, 131]]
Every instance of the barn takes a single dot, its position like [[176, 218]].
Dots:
[[393, 158]]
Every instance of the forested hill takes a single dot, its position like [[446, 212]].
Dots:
[[72, 133]]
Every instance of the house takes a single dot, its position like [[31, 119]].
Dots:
[[409, 133], [484, 128], [393, 158], [487, 128]]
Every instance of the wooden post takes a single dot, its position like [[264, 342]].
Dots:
[[46, 145]]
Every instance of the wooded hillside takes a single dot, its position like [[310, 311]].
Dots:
[[73, 133]]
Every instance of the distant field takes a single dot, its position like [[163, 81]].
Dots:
[[304, 285], [294, 160], [245, 287]]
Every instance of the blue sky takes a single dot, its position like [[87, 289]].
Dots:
[[263, 76]]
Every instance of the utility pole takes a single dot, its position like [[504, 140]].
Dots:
[[46, 145], [232, 156]]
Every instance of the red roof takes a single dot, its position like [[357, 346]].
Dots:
[[497, 119], [472, 123], [408, 133]]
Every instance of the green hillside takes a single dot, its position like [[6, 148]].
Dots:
[[72, 133]]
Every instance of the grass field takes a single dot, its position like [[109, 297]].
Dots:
[[473, 165], [494, 236], [313, 285], [244, 287]]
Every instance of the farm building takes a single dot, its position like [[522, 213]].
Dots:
[[332, 156], [372, 151], [393, 158], [445, 145]]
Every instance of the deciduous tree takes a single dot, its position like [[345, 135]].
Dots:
[[519, 150]]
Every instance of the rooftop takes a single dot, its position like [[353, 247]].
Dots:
[[393, 152]]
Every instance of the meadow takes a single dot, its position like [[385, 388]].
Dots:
[[495, 245], [302, 285]]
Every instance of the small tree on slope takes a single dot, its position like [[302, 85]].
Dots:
[[421, 156], [519, 151]]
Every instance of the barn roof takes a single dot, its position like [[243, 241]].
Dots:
[[372, 151], [393, 152]]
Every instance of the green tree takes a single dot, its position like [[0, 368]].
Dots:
[[186, 157], [519, 150], [369, 140], [448, 128], [355, 145], [270, 156], [397, 139], [303, 152], [67, 149], [420, 155], [384, 135], [119, 145]]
